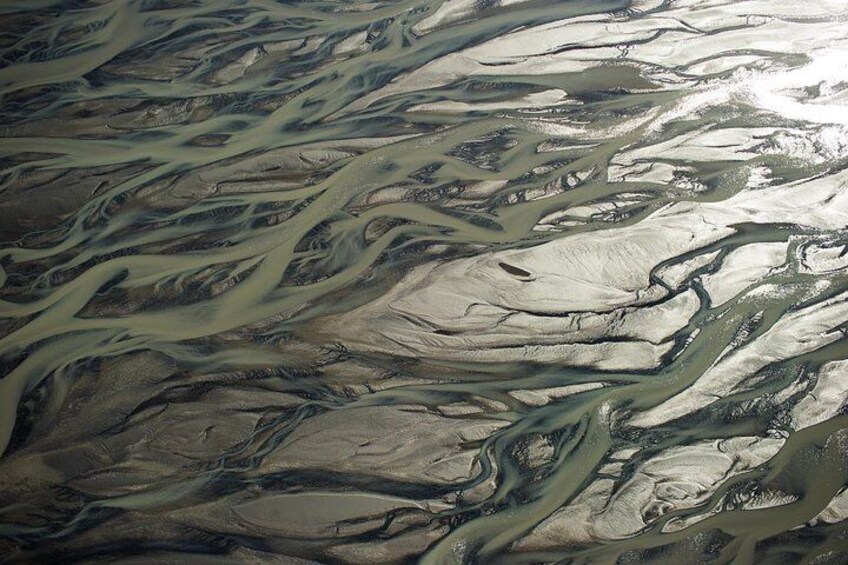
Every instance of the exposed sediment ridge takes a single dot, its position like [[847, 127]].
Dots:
[[589, 299]]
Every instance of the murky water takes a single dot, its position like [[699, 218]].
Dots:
[[449, 281]]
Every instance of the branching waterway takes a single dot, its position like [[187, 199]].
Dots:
[[436, 281]]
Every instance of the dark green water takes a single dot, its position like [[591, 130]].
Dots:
[[457, 281]]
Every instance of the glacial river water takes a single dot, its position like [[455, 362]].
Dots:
[[437, 281]]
